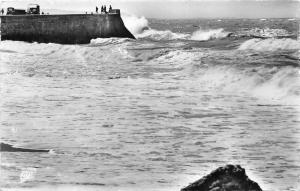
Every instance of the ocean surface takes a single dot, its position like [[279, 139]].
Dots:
[[156, 113]]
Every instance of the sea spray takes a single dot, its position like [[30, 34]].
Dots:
[[204, 35], [139, 26], [162, 35], [136, 25]]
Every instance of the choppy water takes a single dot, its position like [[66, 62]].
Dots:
[[154, 113]]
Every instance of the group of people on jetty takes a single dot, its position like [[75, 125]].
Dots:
[[103, 9]]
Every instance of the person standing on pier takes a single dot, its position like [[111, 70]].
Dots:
[[96, 9], [2, 11]]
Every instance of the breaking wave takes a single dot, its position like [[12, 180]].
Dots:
[[162, 35], [263, 80], [271, 44], [136, 25], [200, 35], [139, 27], [204, 35], [281, 83]]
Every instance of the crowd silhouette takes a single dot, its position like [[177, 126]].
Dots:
[[103, 9]]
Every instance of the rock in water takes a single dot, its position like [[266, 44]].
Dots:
[[228, 178], [9, 148]]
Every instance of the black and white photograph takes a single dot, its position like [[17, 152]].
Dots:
[[149, 95]]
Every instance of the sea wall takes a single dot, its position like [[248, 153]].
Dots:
[[64, 29]]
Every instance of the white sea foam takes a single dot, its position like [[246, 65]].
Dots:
[[282, 85], [139, 27], [270, 44], [162, 35], [24, 47], [200, 35], [267, 33], [134, 24], [257, 81], [78, 187], [106, 41], [204, 35], [57, 188], [8, 165]]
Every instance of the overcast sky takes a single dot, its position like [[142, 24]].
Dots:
[[178, 8]]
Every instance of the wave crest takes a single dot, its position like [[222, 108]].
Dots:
[[270, 44], [162, 35], [139, 27], [204, 35], [268, 83], [136, 25]]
